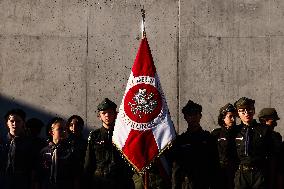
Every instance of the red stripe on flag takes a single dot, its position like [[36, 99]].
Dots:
[[143, 64], [140, 148]]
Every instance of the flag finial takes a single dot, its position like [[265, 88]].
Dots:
[[143, 23]]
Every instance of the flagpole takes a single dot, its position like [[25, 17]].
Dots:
[[143, 23], [146, 179], [146, 173]]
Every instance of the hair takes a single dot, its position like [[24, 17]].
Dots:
[[50, 124], [80, 122], [18, 112], [223, 113]]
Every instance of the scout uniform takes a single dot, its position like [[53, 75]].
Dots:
[[273, 169], [195, 156], [253, 144], [104, 167], [57, 166], [226, 148]]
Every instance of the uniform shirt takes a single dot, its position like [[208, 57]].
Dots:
[[19, 156], [226, 146], [57, 166], [79, 145], [104, 162], [196, 156], [253, 143]]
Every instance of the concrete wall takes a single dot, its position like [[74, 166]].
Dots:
[[63, 57]]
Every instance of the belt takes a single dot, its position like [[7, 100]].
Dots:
[[247, 168]]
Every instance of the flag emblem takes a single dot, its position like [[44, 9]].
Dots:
[[142, 103], [143, 128]]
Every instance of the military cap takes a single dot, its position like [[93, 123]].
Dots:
[[227, 108], [191, 108], [106, 104], [268, 113], [244, 102]]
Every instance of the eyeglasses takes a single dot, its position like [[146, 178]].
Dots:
[[246, 111], [230, 108]]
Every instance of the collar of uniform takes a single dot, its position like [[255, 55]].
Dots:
[[105, 130], [252, 124], [196, 130]]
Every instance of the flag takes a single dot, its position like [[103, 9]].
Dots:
[[143, 128]]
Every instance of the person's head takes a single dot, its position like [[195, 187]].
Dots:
[[15, 121], [107, 112], [34, 126], [75, 125], [245, 109], [56, 129], [268, 116], [192, 113], [227, 116]]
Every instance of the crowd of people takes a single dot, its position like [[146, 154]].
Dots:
[[243, 156]]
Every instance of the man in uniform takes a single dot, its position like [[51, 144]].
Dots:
[[226, 144], [104, 167], [269, 118], [195, 154], [253, 143], [18, 153], [57, 165]]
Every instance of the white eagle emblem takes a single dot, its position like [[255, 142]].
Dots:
[[143, 103]]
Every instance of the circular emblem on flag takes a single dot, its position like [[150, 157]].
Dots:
[[142, 103]]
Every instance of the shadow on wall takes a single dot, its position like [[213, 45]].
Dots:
[[7, 104]]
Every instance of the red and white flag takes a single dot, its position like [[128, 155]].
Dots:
[[143, 128]]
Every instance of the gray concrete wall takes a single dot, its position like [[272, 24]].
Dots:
[[63, 57]]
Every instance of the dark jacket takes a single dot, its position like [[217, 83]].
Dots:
[[17, 162], [254, 144], [104, 166], [61, 173], [195, 161]]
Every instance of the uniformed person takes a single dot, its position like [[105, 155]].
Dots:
[[195, 154], [159, 175], [74, 126], [17, 164], [57, 166], [269, 118], [226, 144], [104, 167], [253, 143], [34, 126]]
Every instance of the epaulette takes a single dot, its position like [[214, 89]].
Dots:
[[90, 135], [93, 134]]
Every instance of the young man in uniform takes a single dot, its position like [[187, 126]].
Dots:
[[57, 165], [226, 145], [253, 143], [18, 166], [269, 118], [104, 167], [195, 154]]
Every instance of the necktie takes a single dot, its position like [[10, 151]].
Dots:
[[54, 161], [247, 141], [11, 156]]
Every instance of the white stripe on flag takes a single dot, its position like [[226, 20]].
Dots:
[[164, 132], [121, 132]]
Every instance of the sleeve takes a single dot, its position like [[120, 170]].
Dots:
[[90, 158]]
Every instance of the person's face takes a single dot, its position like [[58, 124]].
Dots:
[[230, 119], [271, 122], [74, 126], [193, 119], [107, 116], [246, 114], [57, 131], [16, 125]]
